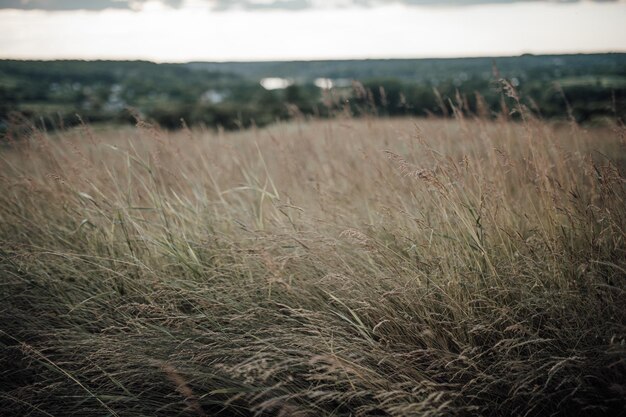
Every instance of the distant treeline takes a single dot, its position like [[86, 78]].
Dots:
[[54, 94]]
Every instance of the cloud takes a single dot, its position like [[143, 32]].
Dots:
[[262, 5], [221, 5], [92, 5], [308, 4]]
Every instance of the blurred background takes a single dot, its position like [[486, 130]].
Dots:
[[235, 63]]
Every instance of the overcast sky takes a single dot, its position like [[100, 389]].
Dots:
[[219, 30]]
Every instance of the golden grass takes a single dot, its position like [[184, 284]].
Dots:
[[344, 267]]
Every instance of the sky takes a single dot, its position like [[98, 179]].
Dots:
[[258, 30]]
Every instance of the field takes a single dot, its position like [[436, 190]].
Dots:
[[347, 267]]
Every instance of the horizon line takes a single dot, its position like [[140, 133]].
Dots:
[[330, 59]]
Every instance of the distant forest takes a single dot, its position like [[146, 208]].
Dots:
[[53, 94]]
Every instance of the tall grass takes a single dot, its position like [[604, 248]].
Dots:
[[347, 267]]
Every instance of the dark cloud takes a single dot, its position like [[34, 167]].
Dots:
[[64, 5]]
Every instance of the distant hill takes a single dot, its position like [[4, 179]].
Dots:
[[424, 70]]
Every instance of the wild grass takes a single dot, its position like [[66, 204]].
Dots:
[[342, 267]]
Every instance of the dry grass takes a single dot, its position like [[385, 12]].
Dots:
[[348, 267]]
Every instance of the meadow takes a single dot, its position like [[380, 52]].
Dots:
[[346, 267]]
